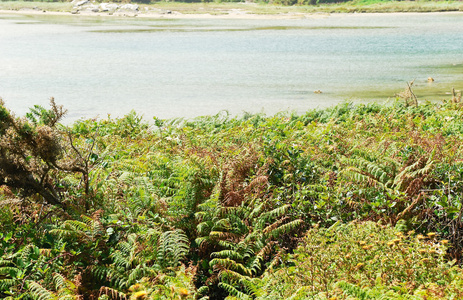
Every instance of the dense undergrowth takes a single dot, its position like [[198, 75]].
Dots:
[[358, 201]]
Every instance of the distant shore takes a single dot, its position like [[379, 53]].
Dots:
[[168, 15], [176, 10], [179, 15]]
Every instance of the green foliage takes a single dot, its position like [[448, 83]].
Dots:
[[31, 154], [215, 207], [365, 261], [173, 246], [65, 289]]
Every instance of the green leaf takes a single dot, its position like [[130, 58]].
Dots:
[[8, 236]]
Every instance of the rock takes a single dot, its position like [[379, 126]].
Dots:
[[80, 3], [108, 6], [130, 7], [92, 8]]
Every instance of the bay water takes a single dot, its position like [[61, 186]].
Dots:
[[172, 68]]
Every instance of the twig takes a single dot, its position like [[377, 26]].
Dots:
[[413, 96]]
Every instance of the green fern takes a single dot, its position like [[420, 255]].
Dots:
[[234, 292], [229, 264], [228, 254], [286, 228], [173, 246], [79, 229], [40, 293]]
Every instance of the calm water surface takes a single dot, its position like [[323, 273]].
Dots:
[[186, 68]]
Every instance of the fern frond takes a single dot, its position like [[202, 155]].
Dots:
[[226, 263], [247, 249], [73, 228], [227, 254], [256, 211], [226, 211], [121, 259], [276, 213], [230, 236], [231, 276], [6, 283], [360, 176], [112, 293], [226, 244], [100, 272], [173, 246], [127, 177], [274, 225], [233, 291], [204, 228], [26, 251], [286, 228], [65, 288], [4, 262], [223, 224], [252, 286], [203, 290], [202, 241], [60, 281], [139, 273], [118, 280], [413, 171], [39, 292], [77, 226], [9, 270]]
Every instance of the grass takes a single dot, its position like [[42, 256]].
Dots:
[[47, 6], [425, 91]]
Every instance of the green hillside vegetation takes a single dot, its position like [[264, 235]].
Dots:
[[351, 202]]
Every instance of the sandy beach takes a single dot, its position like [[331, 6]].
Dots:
[[168, 15], [145, 12], [185, 11]]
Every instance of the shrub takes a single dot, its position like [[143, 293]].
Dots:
[[364, 260]]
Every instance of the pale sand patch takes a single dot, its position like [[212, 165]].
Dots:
[[226, 14], [221, 14]]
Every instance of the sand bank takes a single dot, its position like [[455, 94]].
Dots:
[[170, 14]]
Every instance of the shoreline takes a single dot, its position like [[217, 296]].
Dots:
[[171, 15], [179, 15], [178, 10]]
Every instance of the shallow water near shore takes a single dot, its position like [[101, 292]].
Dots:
[[189, 67]]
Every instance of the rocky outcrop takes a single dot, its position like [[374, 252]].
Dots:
[[80, 3], [104, 7], [129, 7], [87, 6], [90, 7]]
